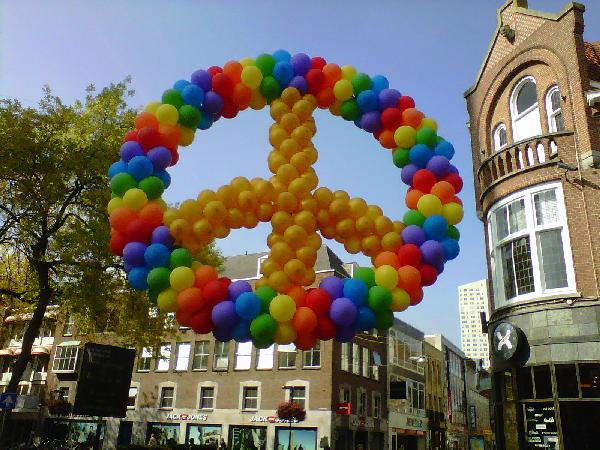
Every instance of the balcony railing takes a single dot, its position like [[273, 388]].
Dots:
[[520, 157]]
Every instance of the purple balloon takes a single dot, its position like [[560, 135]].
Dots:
[[333, 285], [237, 288], [160, 157], [413, 234], [345, 334], [408, 172], [371, 121], [343, 312], [203, 79], [439, 165], [130, 149], [452, 169], [223, 334], [433, 252], [133, 253], [213, 103], [388, 98], [162, 235], [223, 315], [127, 267], [301, 63], [439, 267], [299, 83]]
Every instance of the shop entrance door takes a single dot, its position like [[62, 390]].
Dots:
[[579, 423]]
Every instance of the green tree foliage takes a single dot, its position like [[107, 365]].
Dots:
[[54, 230]]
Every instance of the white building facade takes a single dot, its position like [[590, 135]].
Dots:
[[472, 300]]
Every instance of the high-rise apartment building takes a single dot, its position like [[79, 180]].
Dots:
[[472, 300]]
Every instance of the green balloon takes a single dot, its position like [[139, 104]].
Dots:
[[262, 343], [265, 294], [384, 320], [453, 232], [265, 63], [350, 110], [189, 116], [158, 279], [180, 257], [173, 97], [379, 298], [121, 183], [365, 274], [152, 186], [412, 217], [427, 136], [361, 82], [153, 296], [401, 157], [269, 88], [263, 327]]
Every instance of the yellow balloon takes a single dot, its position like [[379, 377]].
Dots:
[[386, 276], [245, 62], [282, 308], [215, 211], [167, 300], [452, 212], [285, 334], [429, 205], [348, 72], [290, 95], [295, 270], [405, 136], [257, 101], [135, 199], [167, 114], [279, 281], [182, 278], [400, 300], [116, 202], [251, 76], [343, 90], [170, 215], [282, 252], [186, 136], [428, 122], [153, 106]]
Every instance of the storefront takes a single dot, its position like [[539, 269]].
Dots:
[[76, 430], [407, 432], [457, 437], [354, 432]]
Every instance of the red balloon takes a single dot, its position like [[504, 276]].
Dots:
[[423, 180], [326, 329], [229, 110], [191, 300], [202, 323], [298, 294], [117, 242], [140, 231], [304, 320], [151, 214], [305, 341], [315, 80], [409, 255], [214, 70], [222, 84], [428, 274], [120, 219], [405, 102], [456, 181], [184, 318], [416, 296], [149, 138], [391, 118], [174, 157], [319, 301], [225, 280], [214, 292], [131, 136], [317, 62]]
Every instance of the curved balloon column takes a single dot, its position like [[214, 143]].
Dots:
[[159, 244]]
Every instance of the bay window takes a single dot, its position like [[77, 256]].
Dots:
[[525, 112], [556, 121]]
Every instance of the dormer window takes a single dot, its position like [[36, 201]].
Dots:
[[500, 137], [525, 112], [556, 120]]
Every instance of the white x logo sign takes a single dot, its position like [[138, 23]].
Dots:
[[504, 340]]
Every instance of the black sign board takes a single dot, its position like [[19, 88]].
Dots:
[[540, 426], [398, 390], [104, 381], [472, 417], [505, 341]]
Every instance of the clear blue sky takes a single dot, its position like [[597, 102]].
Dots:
[[429, 49]]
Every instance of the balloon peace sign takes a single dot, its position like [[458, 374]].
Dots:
[[159, 244]]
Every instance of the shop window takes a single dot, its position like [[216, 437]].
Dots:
[[589, 376], [355, 359], [500, 137], [65, 358], [566, 380], [556, 121], [64, 392], [166, 435], [145, 360], [132, 398], [164, 358], [286, 356], [524, 383], [221, 356], [243, 356], [312, 357], [250, 398], [264, 357], [200, 361], [543, 382], [304, 438], [167, 395], [183, 356], [251, 438], [207, 397], [298, 395], [346, 356], [203, 435], [69, 327], [525, 112]]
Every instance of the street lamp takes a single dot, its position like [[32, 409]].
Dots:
[[291, 390]]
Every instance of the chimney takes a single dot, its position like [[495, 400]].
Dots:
[[520, 3]]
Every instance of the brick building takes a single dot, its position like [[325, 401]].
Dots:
[[534, 128]]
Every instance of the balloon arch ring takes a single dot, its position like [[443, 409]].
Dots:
[[159, 245]]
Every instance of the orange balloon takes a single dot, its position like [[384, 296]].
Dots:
[[409, 278], [241, 96], [204, 274], [412, 117], [387, 259], [298, 294], [332, 73], [169, 135], [325, 98], [190, 300], [120, 218], [233, 70], [304, 320], [305, 341], [386, 139], [412, 197], [444, 191], [152, 214], [146, 119]]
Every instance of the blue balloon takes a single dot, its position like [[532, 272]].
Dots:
[[237, 288], [368, 101], [451, 248], [140, 167], [444, 148], [435, 227], [241, 332], [283, 72], [164, 176], [366, 319], [419, 155], [117, 167], [162, 235], [127, 267], [161, 157], [137, 278], [130, 149], [248, 306], [282, 55], [133, 253], [206, 121], [180, 85], [193, 95], [356, 290], [379, 83], [157, 255]]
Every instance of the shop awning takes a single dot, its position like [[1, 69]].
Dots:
[[6, 352], [69, 343], [40, 350]]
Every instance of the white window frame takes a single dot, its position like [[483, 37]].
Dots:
[[243, 356], [497, 143], [284, 355], [361, 408], [203, 355], [531, 230], [202, 391], [376, 405], [264, 358], [298, 384], [345, 351], [134, 385], [355, 359], [203, 385], [250, 384], [550, 113], [182, 358], [221, 356], [69, 326], [146, 355], [163, 362], [309, 356], [366, 359], [70, 357], [161, 386], [515, 116], [345, 393]]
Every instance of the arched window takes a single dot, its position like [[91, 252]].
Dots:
[[500, 137], [524, 110], [556, 121]]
